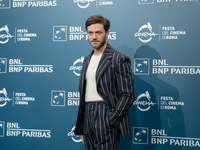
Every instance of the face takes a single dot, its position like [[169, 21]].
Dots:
[[97, 36]]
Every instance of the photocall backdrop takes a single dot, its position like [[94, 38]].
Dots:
[[43, 44]]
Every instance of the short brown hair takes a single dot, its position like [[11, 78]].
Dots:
[[98, 19]]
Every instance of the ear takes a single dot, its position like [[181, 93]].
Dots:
[[107, 33]]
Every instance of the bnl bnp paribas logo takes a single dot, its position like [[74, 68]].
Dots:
[[57, 98], [145, 1], [2, 128], [141, 2], [145, 33], [140, 135], [5, 4], [59, 33], [5, 36], [75, 33], [3, 65], [4, 99], [141, 66]]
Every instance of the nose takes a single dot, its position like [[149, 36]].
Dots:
[[94, 36]]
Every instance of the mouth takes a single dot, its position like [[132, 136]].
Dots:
[[95, 41]]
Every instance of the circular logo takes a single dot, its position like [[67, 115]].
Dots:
[[5, 99], [144, 102], [4, 35], [85, 3], [145, 33], [77, 67], [73, 136]]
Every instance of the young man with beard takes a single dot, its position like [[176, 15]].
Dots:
[[106, 91]]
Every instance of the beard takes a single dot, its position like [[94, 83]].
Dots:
[[99, 45]]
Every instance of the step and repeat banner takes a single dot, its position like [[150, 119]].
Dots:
[[43, 44]]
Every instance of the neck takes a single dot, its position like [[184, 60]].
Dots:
[[100, 51]]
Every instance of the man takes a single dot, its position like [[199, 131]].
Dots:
[[106, 91]]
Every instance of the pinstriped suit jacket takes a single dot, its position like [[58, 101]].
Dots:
[[114, 80]]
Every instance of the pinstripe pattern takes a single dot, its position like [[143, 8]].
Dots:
[[98, 133], [114, 80]]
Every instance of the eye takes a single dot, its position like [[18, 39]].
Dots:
[[99, 32], [90, 33]]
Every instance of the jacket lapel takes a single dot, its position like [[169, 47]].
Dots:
[[84, 69], [104, 62]]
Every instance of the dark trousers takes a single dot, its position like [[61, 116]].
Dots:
[[98, 133]]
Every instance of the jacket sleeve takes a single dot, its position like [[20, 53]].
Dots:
[[125, 85]]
